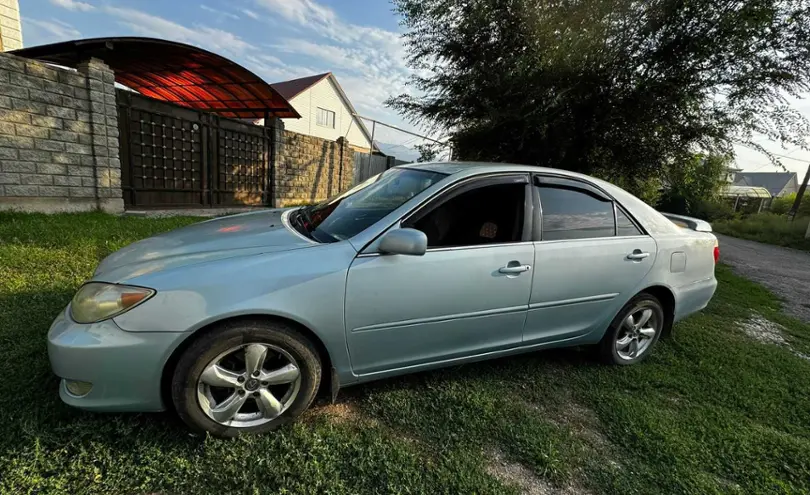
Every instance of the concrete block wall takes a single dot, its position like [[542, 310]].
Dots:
[[309, 169], [58, 137], [10, 28]]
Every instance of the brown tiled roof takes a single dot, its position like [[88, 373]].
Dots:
[[292, 88]]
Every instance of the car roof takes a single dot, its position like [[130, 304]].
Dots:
[[478, 168]]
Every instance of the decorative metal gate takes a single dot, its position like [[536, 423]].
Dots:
[[173, 156]]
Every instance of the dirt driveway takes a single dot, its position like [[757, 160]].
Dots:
[[786, 272]]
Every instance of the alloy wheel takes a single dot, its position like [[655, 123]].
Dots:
[[637, 333], [248, 385]]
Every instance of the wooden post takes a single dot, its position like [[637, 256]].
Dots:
[[371, 148], [795, 208]]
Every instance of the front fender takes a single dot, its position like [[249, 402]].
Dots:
[[306, 286]]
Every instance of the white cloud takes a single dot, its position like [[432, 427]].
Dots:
[[50, 31], [73, 5], [369, 62], [221, 13], [270, 59], [273, 69], [300, 11], [214, 39], [250, 13], [339, 57]]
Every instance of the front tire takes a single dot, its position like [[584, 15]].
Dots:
[[633, 333], [245, 377]]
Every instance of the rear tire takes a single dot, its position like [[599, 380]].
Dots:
[[245, 377], [634, 332]]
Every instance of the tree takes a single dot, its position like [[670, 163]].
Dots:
[[693, 182], [618, 88], [427, 152]]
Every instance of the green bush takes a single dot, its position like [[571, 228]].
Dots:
[[782, 205], [769, 228], [714, 210]]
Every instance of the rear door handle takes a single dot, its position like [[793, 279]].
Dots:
[[637, 255], [514, 269]]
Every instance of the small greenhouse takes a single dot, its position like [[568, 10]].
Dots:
[[749, 199]]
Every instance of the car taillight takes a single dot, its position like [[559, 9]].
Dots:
[[716, 253]]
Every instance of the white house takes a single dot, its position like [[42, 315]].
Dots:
[[326, 111]]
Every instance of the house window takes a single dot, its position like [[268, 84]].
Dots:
[[325, 118]]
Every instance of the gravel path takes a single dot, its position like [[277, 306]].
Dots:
[[786, 272]]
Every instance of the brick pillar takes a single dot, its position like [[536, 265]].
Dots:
[[276, 127], [346, 169], [10, 29], [104, 123]]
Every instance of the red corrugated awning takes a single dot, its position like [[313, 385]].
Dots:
[[174, 72]]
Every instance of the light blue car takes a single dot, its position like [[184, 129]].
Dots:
[[238, 321]]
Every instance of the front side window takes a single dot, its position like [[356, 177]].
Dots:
[[350, 213], [325, 118], [491, 214], [570, 213]]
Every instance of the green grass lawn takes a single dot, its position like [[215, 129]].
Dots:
[[711, 411], [768, 228]]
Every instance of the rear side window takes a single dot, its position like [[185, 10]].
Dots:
[[624, 225], [575, 214]]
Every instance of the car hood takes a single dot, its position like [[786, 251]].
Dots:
[[226, 237]]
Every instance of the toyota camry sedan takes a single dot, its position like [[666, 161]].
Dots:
[[237, 322]]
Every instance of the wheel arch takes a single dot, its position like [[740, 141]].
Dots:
[[331, 385], [667, 299]]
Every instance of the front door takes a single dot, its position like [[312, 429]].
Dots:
[[589, 260], [468, 294]]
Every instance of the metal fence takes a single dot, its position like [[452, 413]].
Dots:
[[175, 156]]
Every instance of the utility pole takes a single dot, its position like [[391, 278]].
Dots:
[[795, 208]]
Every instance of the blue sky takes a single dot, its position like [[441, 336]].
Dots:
[[358, 40]]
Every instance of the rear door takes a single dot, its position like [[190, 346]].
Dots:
[[590, 257]]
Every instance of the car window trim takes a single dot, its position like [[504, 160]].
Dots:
[[615, 220], [466, 186], [581, 190], [570, 183], [594, 239], [499, 177], [616, 208], [552, 179], [507, 178]]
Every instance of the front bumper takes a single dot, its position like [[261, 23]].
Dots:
[[125, 368]]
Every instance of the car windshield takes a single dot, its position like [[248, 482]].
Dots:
[[352, 212]]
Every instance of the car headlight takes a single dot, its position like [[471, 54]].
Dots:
[[98, 301]]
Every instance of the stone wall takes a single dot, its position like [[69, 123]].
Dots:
[[10, 29], [310, 169], [58, 137], [59, 144]]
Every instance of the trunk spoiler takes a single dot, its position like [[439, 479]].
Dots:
[[689, 222]]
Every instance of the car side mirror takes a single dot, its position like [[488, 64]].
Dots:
[[404, 241]]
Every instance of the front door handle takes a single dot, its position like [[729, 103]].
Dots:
[[511, 269], [637, 255]]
